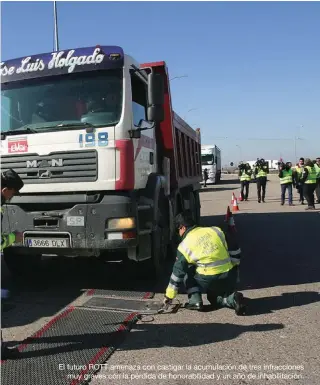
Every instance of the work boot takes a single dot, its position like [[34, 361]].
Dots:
[[282, 203], [238, 304], [9, 353], [310, 208], [195, 302], [291, 204]]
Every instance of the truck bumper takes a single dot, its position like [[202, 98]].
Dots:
[[86, 228]]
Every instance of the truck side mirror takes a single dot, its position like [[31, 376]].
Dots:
[[155, 97]]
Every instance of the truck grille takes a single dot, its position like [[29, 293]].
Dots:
[[57, 167]]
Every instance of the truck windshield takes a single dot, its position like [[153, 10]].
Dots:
[[207, 159], [94, 98]]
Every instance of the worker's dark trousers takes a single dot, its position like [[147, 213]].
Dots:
[[261, 185], [220, 288], [245, 186], [284, 188], [308, 192], [318, 190], [300, 192]]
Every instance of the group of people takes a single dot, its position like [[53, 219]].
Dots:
[[305, 177], [259, 172]]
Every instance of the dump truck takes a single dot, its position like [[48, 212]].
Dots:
[[106, 162]]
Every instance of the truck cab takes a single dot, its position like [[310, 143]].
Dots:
[[84, 129]]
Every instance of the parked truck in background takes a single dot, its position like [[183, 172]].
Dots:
[[211, 160], [106, 162]]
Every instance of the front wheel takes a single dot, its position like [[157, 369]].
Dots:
[[22, 267]]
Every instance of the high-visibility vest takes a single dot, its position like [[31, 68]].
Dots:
[[244, 176], [206, 247], [286, 177], [312, 175], [261, 172], [317, 170], [6, 239]]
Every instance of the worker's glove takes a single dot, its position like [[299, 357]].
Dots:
[[167, 301]]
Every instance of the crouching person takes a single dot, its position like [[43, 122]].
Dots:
[[204, 264]]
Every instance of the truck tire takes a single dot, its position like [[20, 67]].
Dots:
[[195, 206], [22, 267], [160, 237], [153, 268]]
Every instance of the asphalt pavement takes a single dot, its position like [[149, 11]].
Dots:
[[277, 342]]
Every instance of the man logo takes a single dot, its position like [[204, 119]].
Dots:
[[45, 163]]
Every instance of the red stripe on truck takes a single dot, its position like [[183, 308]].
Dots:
[[126, 179]]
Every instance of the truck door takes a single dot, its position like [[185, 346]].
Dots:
[[145, 147]]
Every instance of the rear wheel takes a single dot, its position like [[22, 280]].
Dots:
[[195, 206]]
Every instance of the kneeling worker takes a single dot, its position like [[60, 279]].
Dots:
[[204, 264]]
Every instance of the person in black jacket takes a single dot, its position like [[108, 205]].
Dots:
[[11, 184], [309, 180]]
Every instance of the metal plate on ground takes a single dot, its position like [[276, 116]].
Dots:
[[141, 307], [120, 293], [69, 349]]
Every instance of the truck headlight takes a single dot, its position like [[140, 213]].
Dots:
[[121, 223]]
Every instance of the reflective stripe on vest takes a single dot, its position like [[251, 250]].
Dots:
[[261, 173], [287, 177], [206, 247], [312, 175], [245, 176]]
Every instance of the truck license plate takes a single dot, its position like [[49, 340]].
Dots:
[[48, 242]]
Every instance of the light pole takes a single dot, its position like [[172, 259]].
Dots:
[[56, 41], [240, 151], [191, 109], [295, 143], [178, 77]]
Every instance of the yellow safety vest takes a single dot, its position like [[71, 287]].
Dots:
[[244, 176], [287, 177], [206, 247], [312, 175], [317, 170], [7, 239], [261, 172]]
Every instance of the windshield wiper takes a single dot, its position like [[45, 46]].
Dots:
[[21, 130], [89, 127]]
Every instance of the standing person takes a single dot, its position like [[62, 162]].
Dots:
[[317, 167], [245, 178], [205, 177], [297, 176], [11, 184], [286, 182], [204, 264], [261, 171], [309, 178]]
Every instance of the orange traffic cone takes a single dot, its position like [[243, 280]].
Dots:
[[231, 223], [235, 206], [240, 197], [232, 199]]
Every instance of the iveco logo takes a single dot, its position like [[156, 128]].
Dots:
[[45, 163]]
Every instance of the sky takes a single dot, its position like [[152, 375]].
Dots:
[[253, 68]]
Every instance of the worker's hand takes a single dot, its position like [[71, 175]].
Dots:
[[167, 301], [19, 236]]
